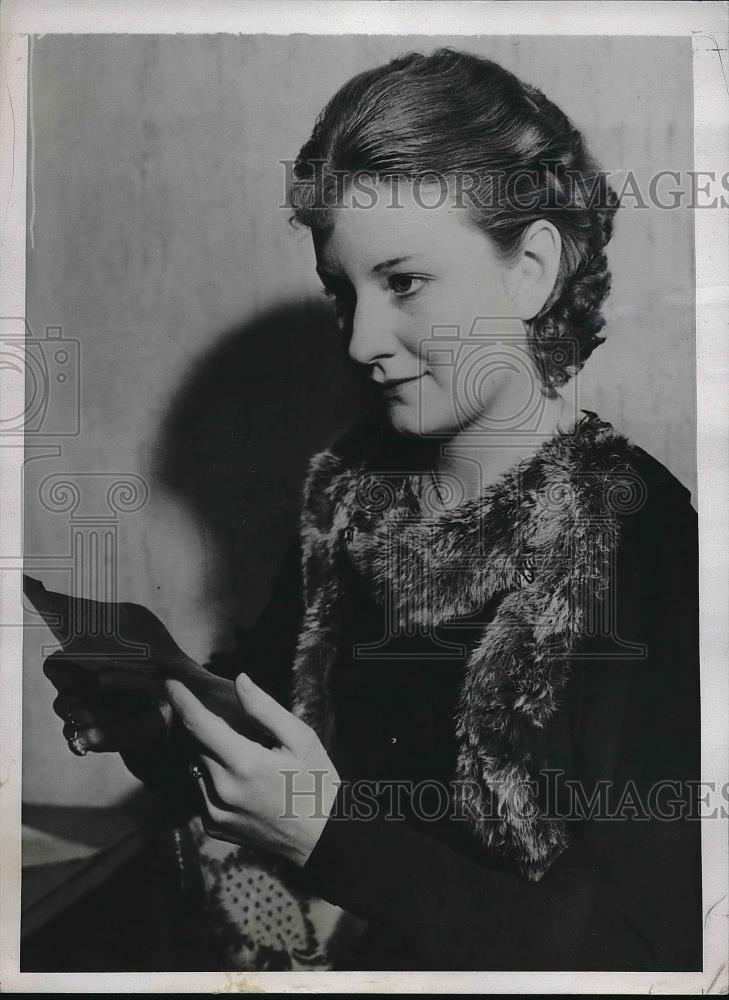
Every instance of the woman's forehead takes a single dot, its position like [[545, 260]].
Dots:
[[414, 223]]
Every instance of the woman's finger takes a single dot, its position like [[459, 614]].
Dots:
[[202, 724], [224, 786], [290, 731], [65, 703], [213, 818], [67, 675], [105, 735], [203, 772], [85, 713], [95, 712]]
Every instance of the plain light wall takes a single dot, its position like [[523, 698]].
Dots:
[[208, 365]]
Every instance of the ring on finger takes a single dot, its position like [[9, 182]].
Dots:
[[76, 745], [196, 771], [72, 735]]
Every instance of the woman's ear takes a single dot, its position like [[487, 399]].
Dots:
[[531, 278]]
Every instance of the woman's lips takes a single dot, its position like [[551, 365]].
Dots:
[[391, 384]]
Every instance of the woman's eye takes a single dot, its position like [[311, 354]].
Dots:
[[405, 284]]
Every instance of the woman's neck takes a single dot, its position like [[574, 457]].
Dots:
[[464, 466]]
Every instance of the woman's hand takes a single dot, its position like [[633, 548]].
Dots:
[[278, 798], [104, 721]]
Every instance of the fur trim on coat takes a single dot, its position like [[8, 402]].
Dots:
[[542, 538]]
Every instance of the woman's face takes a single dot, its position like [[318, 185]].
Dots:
[[422, 296]]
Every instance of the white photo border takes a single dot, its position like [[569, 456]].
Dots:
[[706, 23]]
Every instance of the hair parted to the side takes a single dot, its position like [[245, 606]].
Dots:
[[453, 114]]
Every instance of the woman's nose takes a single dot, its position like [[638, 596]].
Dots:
[[373, 334]]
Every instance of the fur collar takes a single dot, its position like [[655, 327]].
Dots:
[[542, 536]]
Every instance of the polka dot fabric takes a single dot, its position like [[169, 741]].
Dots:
[[262, 920]]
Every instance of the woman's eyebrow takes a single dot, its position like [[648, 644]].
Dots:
[[385, 265], [333, 275]]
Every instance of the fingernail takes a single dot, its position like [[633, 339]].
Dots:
[[244, 681]]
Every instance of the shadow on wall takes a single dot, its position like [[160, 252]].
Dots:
[[237, 438]]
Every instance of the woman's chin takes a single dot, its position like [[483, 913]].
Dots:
[[410, 421]]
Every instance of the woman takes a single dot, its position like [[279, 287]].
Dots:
[[479, 672]]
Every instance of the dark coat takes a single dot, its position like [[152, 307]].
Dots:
[[569, 716]]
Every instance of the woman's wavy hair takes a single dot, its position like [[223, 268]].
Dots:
[[452, 114]]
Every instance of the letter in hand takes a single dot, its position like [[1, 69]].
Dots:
[[125, 645], [104, 721], [123, 650]]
